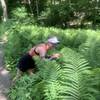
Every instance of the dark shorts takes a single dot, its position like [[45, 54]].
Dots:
[[26, 62]]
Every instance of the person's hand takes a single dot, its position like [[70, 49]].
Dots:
[[55, 56]]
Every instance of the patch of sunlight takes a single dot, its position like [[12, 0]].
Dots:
[[8, 65], [1, 42], [4, 72], [0, 52], [4, 37]]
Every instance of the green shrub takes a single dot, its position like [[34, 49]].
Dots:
[[91, 50], [55, 81], [19, 12], [66, 78]]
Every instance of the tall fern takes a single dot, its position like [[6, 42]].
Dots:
[[50, 72], [66, 79], [91, 50], [73, 83]]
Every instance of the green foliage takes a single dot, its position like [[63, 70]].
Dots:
[[37, 86], [59, 13], [70, 13], [19, 12], [69, 77], [40, 4], [55, 81], [4, 27], [91, 50], [74, 84], [76, 75], [21, 38]]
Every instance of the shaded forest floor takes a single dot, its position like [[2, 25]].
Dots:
[[5, 81]]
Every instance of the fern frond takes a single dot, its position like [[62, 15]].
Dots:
[[50, 72], [91, 50], [73, 85]]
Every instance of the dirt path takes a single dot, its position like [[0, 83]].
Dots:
[[4, 76]]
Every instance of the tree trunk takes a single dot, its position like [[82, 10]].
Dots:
[[59, 1], [51, 2], [4, 8], [37, 7], [54, 2], [29, 2]]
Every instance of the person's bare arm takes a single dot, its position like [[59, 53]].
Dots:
[[56, 55], [43, 54]]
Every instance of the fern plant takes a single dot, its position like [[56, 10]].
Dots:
[[74, 85], [69, 80], [50, 72], [57, 81], [91, 50]]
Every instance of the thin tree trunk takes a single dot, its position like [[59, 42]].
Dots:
[[51, 1], [4, 7], [59, 1], [29, 2], [54, 2], [37, 7]]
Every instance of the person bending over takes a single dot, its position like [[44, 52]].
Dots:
[[27, 63]]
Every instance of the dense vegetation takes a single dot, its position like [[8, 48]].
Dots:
[[59, 13], [74, 76]]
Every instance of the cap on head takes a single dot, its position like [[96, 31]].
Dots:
[[53, 40]]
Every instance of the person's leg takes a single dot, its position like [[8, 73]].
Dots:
[[31, 68], [30, 71], [18, 75]]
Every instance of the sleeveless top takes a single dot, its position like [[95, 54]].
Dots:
[[35, 51]]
